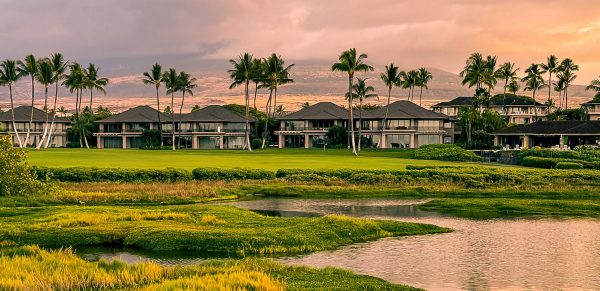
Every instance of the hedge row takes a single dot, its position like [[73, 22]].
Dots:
[[473, 176], [553, 163]]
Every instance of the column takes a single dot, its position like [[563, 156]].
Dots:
[[496, 140], [124, 141], [194, 141], [280, 141], [383, 141], [561, 141], [306, 136], [412, 140], [525, 141], [99, 142], [221, 142]]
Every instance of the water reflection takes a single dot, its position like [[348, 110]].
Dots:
[[534, 254], [131, 256]]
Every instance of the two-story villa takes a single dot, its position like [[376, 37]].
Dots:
[[593, 109], [515, 109], [22, 116], [408, 126], [211, 127]]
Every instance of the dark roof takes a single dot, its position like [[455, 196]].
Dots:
[[591, 102], [213, 113], [139, 114], [458, 101], [565, 127], [319, 111], [510, 100], [403, 110], [23, 113]]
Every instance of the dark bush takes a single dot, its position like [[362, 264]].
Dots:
[[307, 178], [568, 165], [445, 152], [538, 162], [81, 174], [372, 178], [256, 143], [16, 177]]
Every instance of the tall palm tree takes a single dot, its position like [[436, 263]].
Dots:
[[506, 72], [391, 77], [361, 91], [594, 86], [8, 76], [559, 87], [257, 76], [185, 84], [94, 82], [513, 86], [45, 77], [534, 82], [155, 77], [474, 70], [550, 67], [75, 82], [276, 74], [170, 78], [409, 81], [242, 73], [489, 77], [423, 77], [58, 70], [29, 68], [351, 63], [566, 69]]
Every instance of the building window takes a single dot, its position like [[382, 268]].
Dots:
[[429, 125], [424, 139], [397, 140], [293, 141], [233, 142], [113, 142], [322, 124], [399, 124], [113, 127], [235, 127], [208, 142], [294, 125], [208, 127]]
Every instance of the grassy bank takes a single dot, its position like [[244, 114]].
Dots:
[[499, 208], [271, 159], [211, 229], [32, 268]]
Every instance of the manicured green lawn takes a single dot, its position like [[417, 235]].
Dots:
[[271, 159]]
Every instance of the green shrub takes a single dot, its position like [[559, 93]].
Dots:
[[16, 178], [538, 162], [256, 143], [372, 178], [81, 174], [232, 174], [307, 178], [445, 152], [568, 165]]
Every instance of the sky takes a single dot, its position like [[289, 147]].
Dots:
[[121, 35]]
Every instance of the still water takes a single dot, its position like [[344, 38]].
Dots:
[[500, 254]]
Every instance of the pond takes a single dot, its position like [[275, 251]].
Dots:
[[531, 253], [534, 253]]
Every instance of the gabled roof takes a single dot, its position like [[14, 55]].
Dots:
[[23, 113], [496, 100], [458, 101], [140, 114], [213, 113], [591, 102], [565, 127], [403, 110], [319, 111]]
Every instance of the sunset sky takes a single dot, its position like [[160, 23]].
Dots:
[[437, 33]]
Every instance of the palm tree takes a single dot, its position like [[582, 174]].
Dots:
[[45, 77], [75, 81], [489, 77], [257, 76], [391, 77], [349, 62], [8, 76], [58, 70], [559, 87], [242, 73], [155, 77], [550, 67], [423, 77], [276, 74], [506, 72], [361, 92], [566, 69], [409, 81], [185, 84], [594, 86], [474, 70], [513, 86], [305, 105], [170, 79], [533, 83], [93, 82], [29, 68]]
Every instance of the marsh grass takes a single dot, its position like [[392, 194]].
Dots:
[[201, 228], [33, 268]]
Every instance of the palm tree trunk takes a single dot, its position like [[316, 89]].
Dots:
[[173, 120], [420, 95], [31, 114], [12, 111], [359, 122], [53, 117], [534, 106], [387, 109], [159, 122], [267, 118], [566, 97], [255, 92], [352, 139], [504, 97], [247, 129], [180, 111], [549, 88], [41, 141], [91, 99]]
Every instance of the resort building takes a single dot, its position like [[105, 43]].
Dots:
[[211, 127], [593, 109], [515, 109], [22, 116], [408, 126], [550, 134]]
